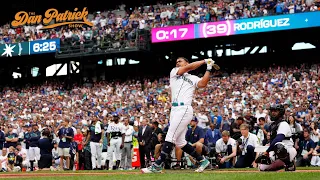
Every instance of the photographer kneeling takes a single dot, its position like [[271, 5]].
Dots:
[[46, 146]]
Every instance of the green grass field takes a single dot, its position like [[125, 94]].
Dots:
[[242, 174]]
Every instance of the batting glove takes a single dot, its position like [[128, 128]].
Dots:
[[209, 63]]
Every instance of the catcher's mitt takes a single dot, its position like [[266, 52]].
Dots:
[[263, 159]]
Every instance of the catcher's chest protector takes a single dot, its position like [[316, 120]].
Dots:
[[274, 128]]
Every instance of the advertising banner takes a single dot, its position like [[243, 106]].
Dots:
[[235, 27]]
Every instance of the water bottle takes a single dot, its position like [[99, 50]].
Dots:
[[76, 166]]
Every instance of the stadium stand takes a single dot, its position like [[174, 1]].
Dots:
[[248, 95]]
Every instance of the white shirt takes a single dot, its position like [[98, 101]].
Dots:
[[23, 153], [164, 14], [221, 146], [3, 161], [21, 136], [259, 115], [55, 153], [116, 128], [143, 129], [103, 22], [251, 140], [182, 87], [142, 23], [128, 133], [315, 138], [11, 31], [38, 28], [202, 120], [263, 114], [191, 18], [284, 128], [260, 136], [296, 129], [68, 34]]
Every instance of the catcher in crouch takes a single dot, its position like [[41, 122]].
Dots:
[[281, 153]]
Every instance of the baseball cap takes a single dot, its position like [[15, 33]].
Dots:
[[195, 119]]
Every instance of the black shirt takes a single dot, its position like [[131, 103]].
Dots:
[[2, 139], [45, 146], [11, 158], [73, 148], [34, 137], [93, 136], [65, 132], [19, 160], [11, 136], [154, 139]]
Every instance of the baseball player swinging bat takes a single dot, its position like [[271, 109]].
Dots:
[[182, 86]]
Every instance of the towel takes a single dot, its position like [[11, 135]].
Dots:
[[97, 128]]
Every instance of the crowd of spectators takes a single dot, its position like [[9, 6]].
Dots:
[[123, 24], [223, 106]]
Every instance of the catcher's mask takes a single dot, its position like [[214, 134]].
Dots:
[[280, 109]]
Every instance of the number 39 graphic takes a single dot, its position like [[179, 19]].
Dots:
[[211, 30]]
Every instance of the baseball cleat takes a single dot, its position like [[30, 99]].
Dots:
[[290, 167], [151, 169], [203, 165]]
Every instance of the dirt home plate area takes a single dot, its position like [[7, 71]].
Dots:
[[86, 173]]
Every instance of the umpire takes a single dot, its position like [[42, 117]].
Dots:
[[46, 146]]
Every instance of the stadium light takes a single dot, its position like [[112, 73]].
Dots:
[[194, 57], [201, 53], [209, 53], [302, 45], [167, 57]]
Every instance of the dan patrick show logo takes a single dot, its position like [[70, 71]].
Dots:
[[75, 19]]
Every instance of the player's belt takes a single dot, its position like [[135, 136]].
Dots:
[[177, 104]]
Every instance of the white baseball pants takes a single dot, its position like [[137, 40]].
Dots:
[[96, 151], [180, 118], [315, 161], [114, 147], [34, 153]]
